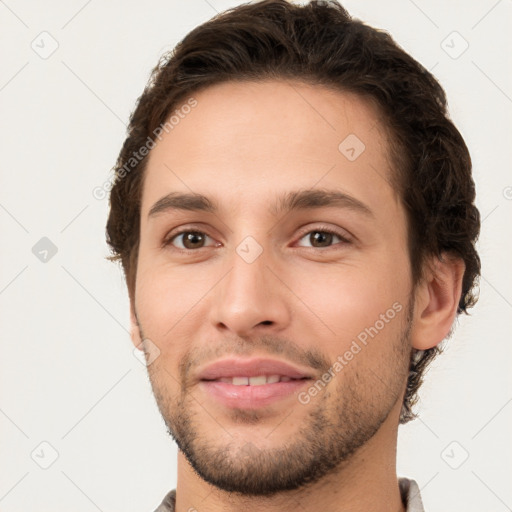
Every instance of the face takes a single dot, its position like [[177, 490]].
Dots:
[[298, 256]]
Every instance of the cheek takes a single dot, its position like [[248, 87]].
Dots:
[[359, 311], [165, 307], [349, 296], [167, 301]]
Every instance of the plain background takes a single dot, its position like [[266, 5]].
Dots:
[[68, 375]]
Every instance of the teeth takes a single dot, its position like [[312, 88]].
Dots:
[[258, 380]]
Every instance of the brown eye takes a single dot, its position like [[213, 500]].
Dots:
[[319, 238], [189, 240], [322, 238]]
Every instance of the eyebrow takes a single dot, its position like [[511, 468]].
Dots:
[[290, 201]]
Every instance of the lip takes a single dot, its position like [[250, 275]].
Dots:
[[246, 396], [251, 397], [238, 367]]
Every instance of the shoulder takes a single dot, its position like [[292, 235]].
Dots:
[[410, 493], [168, 503], [408, 489]]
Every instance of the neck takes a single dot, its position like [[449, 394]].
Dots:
[[368, 481]]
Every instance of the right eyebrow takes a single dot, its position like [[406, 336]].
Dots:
[[179, 201]]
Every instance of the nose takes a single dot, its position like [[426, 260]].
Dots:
[[250, 297]]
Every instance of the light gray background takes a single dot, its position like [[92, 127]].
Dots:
[[68, 376]]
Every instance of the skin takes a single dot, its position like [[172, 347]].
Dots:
[[299, 301]]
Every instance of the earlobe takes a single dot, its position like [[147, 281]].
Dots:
[[135, 334], [437, 299]]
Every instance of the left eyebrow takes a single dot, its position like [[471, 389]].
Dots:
[[294, 200], [318, 198]]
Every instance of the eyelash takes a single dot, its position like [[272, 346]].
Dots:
[[322, 229]]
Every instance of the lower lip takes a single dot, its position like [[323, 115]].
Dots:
[[251, 397]]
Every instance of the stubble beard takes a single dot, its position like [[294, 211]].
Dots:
[[327, 439]]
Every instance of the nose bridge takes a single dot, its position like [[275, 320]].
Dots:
[[249, 294], [248, 263]]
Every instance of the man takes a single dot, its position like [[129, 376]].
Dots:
[[294, 212]]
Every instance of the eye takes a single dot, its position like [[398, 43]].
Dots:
[[323, 237], [190, 240]]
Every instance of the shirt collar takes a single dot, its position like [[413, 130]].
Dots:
[[409, 491]]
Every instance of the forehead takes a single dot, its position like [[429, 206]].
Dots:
[[247, 140]]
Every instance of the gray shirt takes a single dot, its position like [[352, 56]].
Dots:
[[409, 491]]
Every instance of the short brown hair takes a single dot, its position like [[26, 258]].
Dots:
[[319, 43]]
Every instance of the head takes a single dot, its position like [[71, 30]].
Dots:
[[265, 110]]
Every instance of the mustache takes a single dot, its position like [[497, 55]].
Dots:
[[265, 345]]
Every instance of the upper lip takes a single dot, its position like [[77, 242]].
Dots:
[[236, 367]]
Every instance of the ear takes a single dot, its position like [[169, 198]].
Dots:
[[135, 333], [436, 300]]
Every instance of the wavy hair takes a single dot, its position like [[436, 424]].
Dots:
[[320, 43]]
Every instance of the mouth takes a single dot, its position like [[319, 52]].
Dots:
[[257, 380], [253, 392], [243, 383]]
